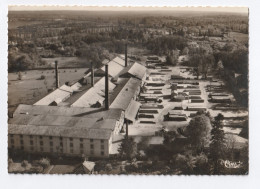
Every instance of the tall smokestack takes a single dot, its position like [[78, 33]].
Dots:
[[126, 129], [106, 88], [92, 75], [126, 55], [56, 74]]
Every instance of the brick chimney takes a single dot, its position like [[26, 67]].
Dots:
[[126, 55], [106, 88], [92, 75], [56, 74]]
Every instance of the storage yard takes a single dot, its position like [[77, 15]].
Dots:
[[160, 102]]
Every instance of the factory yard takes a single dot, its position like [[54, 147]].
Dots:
[[161, 106], [151, 114], [156, 98]]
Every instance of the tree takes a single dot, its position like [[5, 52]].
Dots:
[[202, 166], [207, 62], [44, 162], [202, 63], [244, 157], [128, 148], [217, 145], [198, 131], [230, 145], [172, 58], [185, 163], [185, 51], [195, 61], [20, 76], [168, 137], [19, 62]]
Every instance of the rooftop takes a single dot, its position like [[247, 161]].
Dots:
[[68, 111], [88, 99], [126, 94], [52, 125], [114, 66], [58, 95], [135, 70]]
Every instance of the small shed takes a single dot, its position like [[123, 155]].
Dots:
[[88, 166]]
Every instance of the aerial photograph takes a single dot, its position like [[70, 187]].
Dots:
[[128, 90]]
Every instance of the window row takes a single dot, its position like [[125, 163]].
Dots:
[[61, 150], [61, 144], [50, 137]]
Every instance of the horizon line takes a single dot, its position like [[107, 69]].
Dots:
[[124, 8]]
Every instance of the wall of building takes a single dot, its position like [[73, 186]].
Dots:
[[119, 123], [60, 145]]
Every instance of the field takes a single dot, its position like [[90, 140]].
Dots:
[[30, 89], [16, 23], [240, 37], [65, 62]]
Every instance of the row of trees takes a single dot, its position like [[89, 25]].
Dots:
[[165, 44]]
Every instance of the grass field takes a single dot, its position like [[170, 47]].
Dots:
[[240, 37], [65, 61], [30, 89]]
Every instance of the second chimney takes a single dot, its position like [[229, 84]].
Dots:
[[56, 74], [106, 88], [126, 55], [92, 75]]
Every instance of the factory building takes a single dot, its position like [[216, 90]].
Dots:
[[73, 120]]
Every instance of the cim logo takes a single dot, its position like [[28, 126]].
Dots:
[[230, 164]]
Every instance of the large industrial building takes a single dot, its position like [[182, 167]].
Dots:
[[80, 118]]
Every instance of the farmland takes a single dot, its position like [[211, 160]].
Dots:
[[65, 62], [239, 37], [31, 88]]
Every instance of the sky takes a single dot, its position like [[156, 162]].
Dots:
[[206, 9]]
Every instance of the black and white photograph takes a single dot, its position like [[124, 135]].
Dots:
[[128, 90]]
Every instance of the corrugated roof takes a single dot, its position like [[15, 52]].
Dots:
[[135, 70], [58, 95], [132, 110], [53, 120], [105, 124], [76, 132], [127, 93], [121, 82], [68, 111], [88, 99], [52, 125]]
